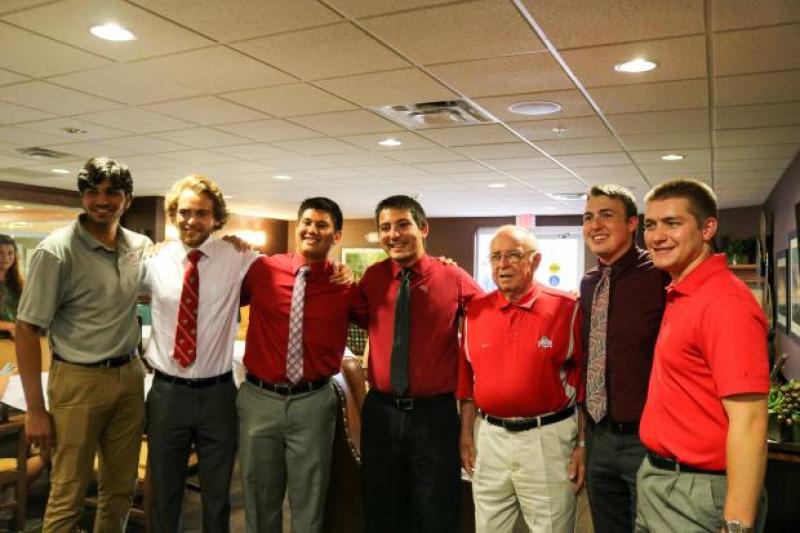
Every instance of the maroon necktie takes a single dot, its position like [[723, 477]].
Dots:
[[186, 333]]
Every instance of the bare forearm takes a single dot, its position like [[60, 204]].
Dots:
[[29, 361], [746, 461], [468, 414]]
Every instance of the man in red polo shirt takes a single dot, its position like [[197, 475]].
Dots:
[[705, 420], [520, 367], [411, 304], [295, 341]]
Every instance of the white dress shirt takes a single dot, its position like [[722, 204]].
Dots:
[[221, 270]]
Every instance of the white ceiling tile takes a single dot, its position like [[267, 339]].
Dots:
[[455, 32], [232, 70], [390, 171], [336, 50], [678, 59], [541, 174], [242, 19], [594, 160], [452, 167], [757, 88], [579, 146], [69, 21], [610, 173], [12, 114], [92, 132], [575, 23], [659, 121], [201, 137], [736, 15], [135, 120], [206, 110], [757, 136], [9, 6], [30, 54], [19, 137], [499, 151], [147, 162], [389, 88], [335, 173], [753, 164], [523, 163], [288, 100], [323, 146], [758, 115], [52, 98], [505, 75], [428, 155], [142, 145], [566, 128], [367, 8], [667, 141], [298, 163], [470, 135], [6, 77], [89, 149], [757, 50], [358, 159], [125, 83], [677, 168], [197, 157], [369, 141], [756, 152], [347, 123], [572, 104], [254, 151], [663, 96], [269, 130], [652, 157]]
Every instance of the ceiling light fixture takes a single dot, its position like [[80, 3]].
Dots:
[[390, 142], [75, 131], [281, 177], [496, 185], [111, 31], [673, 157], [59, 171], [535, 108], [636, 65], [560, 131], [568, 196]]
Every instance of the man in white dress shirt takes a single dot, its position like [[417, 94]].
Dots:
[[194, 285]]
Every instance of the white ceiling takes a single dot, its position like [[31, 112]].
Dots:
[[242, 90]]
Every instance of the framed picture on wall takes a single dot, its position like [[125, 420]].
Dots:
[[358, 259], [781, 292], [793, 267]]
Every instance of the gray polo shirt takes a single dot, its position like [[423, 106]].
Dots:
[[85, 293]]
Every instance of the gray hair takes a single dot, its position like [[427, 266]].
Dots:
[[522, 235]]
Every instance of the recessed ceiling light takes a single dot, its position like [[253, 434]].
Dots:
[[281, 177], [227, 196], [673, 157], [112, 31], [59, 170], [390, 142], [496, 185], [11, 206], [636, 65], [535, 108]]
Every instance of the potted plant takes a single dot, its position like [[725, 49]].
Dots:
[[740, 251], [784, 410]]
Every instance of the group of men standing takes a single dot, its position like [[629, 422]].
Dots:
[[549, 384]]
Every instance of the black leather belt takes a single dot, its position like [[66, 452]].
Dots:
[[523, 424], [665, 463], [407, 403], [620, 428], [288, 389], [197, 383], [111, 362]]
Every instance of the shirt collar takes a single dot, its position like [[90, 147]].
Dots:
[[627, 260], [418, 268], [297, 260], [207, 248], [697, 277], [92, 243], [525, 302]]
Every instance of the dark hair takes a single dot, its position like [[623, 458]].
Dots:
[[200, 185], [702, 200], [617, 192], [320, 203], [98, 169], [401, 201], [13, 277]]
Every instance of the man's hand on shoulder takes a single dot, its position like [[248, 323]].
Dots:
[[153, 250], [240, 244], [446, 261], [342, 274]]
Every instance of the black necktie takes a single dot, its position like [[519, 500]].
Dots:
[[402, 323]]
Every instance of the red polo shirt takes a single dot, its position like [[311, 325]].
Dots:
[[522, 359], [712, 344], [439, 293], [268, 287]]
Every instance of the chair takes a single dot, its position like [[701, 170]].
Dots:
[[15, 471]]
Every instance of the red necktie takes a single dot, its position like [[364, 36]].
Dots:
[[186, 333]]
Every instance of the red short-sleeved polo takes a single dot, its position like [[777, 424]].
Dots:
[[712, 344], [521, 359]]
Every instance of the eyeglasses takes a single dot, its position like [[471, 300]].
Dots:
[[513, 257]]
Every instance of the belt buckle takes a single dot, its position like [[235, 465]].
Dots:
[[106, 363], [283, 388], [405, 404]]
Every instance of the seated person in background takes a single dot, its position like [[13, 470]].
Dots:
[[10, 285]]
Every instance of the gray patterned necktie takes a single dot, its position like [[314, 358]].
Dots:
[[596, 395], [294, 353]]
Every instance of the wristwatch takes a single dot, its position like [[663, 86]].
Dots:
[[735, 526]]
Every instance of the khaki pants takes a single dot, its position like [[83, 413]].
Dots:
[[94, 410], [524, 471], [685, 502]]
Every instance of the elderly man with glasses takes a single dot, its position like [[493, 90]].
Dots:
[[519, 385]]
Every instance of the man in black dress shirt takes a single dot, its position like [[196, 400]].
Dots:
[[635, 305]]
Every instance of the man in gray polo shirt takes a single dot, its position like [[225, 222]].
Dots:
[[83, 282]]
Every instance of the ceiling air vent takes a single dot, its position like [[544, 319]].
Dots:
[[36, 152], [434, 114]]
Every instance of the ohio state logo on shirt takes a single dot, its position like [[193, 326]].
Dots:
[[544, 342]]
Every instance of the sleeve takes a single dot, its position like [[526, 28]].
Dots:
[[734, 340], [42, 294], [578, 353], [359, 310], [247, 259], [465, 376], [468, 288], [247, 284]]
